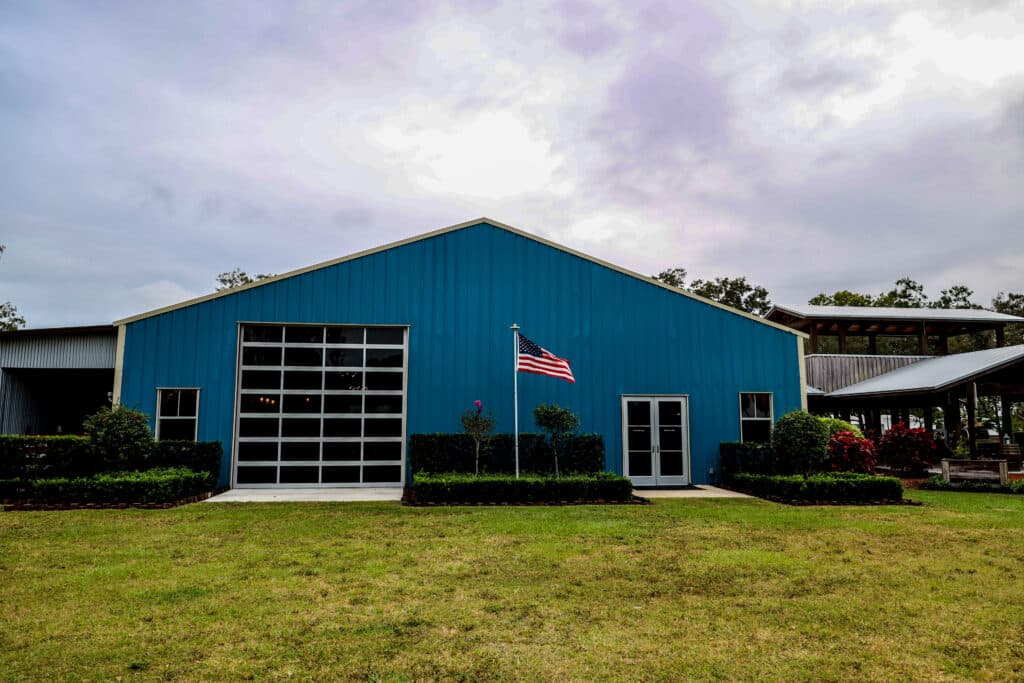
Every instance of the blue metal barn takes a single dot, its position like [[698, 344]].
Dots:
[[318, 377]]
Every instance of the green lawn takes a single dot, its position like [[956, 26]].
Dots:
[[683, 589]]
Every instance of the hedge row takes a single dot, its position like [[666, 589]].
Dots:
[[444, 452], [836, 487], [160, 485], [51, 457], [752, 458], [492, 488], [939, 484]]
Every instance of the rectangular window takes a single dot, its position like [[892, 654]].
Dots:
[[756, 417], [177, 414]]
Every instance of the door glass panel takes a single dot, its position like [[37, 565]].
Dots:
[[257, 475], [671, 463], [341, 475], [302, 403], [343, 381], [670, 413], [261, 379], [302, 380], [257, 426], [638, 412], [261, 333], [345, 358], [343, 403], [304, 356], [304, 335], [345, 450], [383, 451], [261, 355], [344, 335], [384, 380], [300, 475], [257, 450], [384, 358], [300, 451], [640, 464], [385, 335], [639, 439]]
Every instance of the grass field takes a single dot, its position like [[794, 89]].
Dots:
[[683, 589]]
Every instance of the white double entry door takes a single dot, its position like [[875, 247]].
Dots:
[[656, 440]]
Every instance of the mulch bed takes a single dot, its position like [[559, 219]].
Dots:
[[28, 506]]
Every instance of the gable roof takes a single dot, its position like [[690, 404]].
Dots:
[[443, 231], [934, 374]]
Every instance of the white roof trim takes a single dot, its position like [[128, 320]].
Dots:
[[442, 231], [953, 315]]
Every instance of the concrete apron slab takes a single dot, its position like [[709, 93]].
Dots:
[[694, 492], [308, 495]]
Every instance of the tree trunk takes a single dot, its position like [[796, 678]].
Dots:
[[477, 462]]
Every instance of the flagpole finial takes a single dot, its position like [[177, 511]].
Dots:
[[514, 326]]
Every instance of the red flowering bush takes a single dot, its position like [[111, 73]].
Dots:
[[848, 452], [906, 449]]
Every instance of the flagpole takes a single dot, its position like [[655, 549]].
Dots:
[[515, 390]]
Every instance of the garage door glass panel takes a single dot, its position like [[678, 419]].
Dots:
[[314, 395]]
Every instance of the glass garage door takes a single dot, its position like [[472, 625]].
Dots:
[[321, 406]]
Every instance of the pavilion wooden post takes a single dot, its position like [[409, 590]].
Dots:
[[972, 407], [813, 332], [1000, 337], [873, 344], [951, 417], [944, 344], [1006, 406], [922, 340], [841, 329], [929, 422]]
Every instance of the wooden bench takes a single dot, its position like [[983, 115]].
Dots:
[[993, 471], [1011, 454]]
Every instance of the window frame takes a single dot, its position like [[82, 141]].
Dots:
[[771, 410], [159, 410]]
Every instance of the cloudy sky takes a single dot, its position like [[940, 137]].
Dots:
[[810, 146]]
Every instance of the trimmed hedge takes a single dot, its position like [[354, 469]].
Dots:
[[937, 483], [50, 457], [836, 487], [198, 456], [35, 457], [735, 457], [493, 488], [160, 485], [454, 453]]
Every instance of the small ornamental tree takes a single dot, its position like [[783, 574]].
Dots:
[[558, 424], [834, 425], [799, 443], [907, 450], [120, 437], [477, 425], [848, 452]]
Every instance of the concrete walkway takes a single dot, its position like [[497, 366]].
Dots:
[[352, 495], [307, 495], [702, 491]]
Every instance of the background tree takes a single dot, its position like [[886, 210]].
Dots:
[[731, 291], [478, 425], [9, 318], [237, 278], [908, 293], [843, 297], [1011, 303]]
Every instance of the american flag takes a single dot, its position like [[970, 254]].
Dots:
[[533, 358]]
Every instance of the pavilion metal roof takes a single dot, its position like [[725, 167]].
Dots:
[[916, 315], [934, 374]]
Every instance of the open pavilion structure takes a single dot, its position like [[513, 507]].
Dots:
[[871, 385]]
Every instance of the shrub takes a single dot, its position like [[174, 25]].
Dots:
[[559, 424], [833, 487], [492, 488], [907, 450], [799, 443], [835, 425], [584, 453], [198, 456], [152, 486], [849, 453], [478, 426], [33, 457], [121, 438], [735, 457]]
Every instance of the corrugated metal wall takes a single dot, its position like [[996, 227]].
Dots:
[[18, 407], [459, 292], [59, 352], [830, 372]]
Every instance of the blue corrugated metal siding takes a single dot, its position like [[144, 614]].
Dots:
[[459, 292]]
